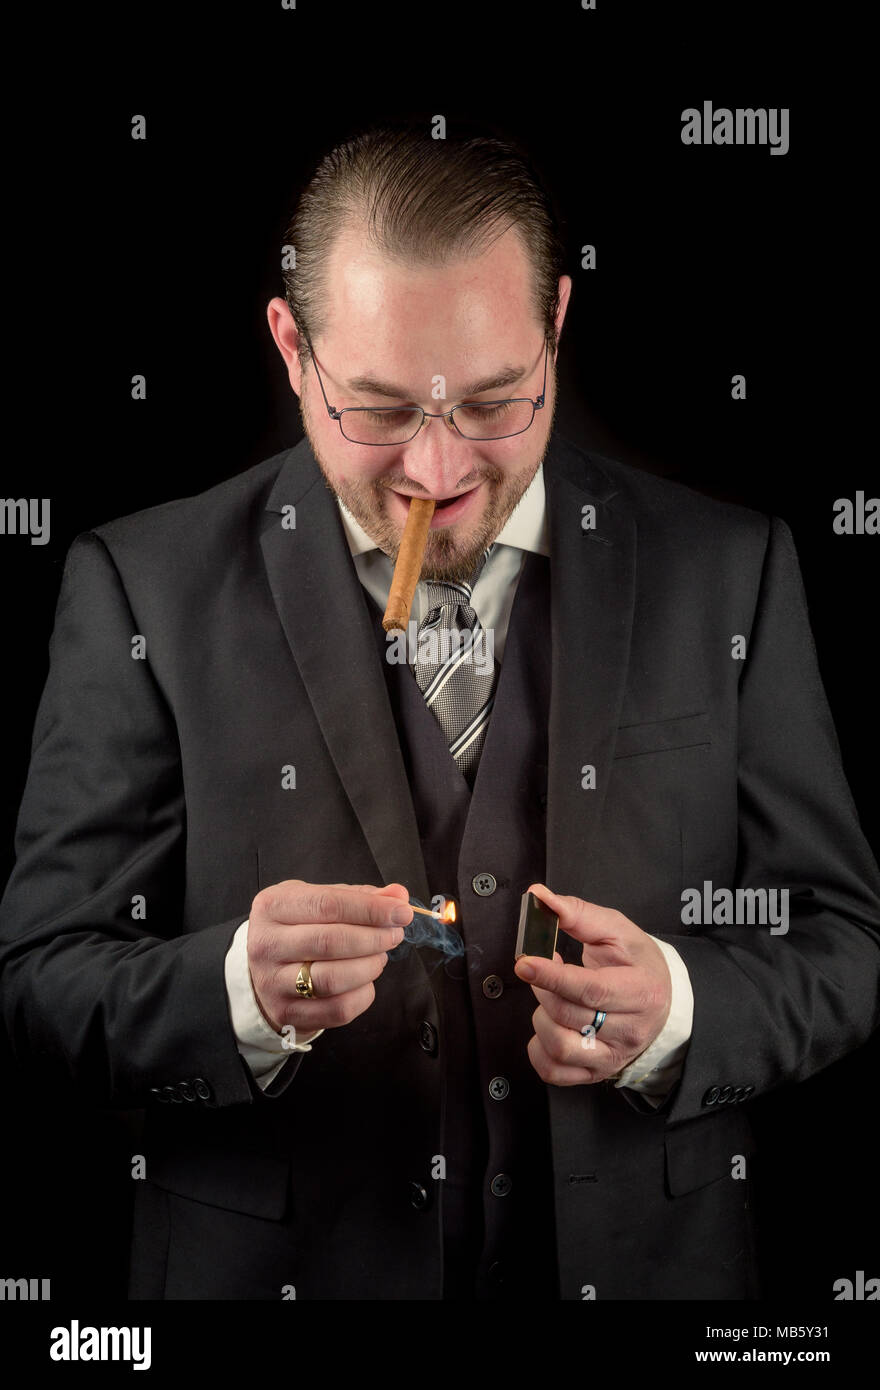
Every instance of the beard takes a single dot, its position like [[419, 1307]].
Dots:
[[452, 552]]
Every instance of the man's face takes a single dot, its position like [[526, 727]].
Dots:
[[401, 327]]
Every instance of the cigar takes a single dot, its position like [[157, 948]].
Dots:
[[410, 557]]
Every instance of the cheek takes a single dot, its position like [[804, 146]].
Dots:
[[367, 465], [370, 476], [347, 463], [498, 465]]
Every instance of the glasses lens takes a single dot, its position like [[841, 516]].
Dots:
[[494, 419], [380, 426]]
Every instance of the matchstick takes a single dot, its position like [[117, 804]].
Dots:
[[410, 558]]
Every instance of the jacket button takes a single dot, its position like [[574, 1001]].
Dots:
[[748, 1091], [186, 1090], [493, 985], [738, 1095], [501, 1184], [155, 1091], [170, 1093], [711, 1095], [724, 1094], [484, 884], [418, 1196], [427, 1036], [201, 1088], [499, 1087]]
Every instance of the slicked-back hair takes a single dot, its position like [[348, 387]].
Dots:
[[423, 202]]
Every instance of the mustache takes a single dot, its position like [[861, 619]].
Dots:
[[493, 475]]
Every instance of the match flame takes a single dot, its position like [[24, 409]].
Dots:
[[449, 913]]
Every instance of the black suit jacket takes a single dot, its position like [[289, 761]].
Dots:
[[155, 809]]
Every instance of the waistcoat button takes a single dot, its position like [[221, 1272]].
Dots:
[[427, 1036], [418, 1196]]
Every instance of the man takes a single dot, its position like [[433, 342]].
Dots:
[[237, 784]]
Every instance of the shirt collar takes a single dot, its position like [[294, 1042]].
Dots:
[[526, 528]]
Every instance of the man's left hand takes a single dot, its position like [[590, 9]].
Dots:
[[624, 974]]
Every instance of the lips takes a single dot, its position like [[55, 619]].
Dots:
[[447, 510], [438, 501]]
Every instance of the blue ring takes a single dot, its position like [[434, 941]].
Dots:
[[599, 1020]]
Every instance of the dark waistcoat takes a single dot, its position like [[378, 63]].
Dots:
[[483, 848]]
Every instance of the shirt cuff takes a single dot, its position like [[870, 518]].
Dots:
[[264, 1050], [655, 1071]]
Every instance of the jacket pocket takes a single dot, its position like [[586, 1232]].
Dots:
[[663, 735], [702, 1150], [256, 1185], [218, 1158]]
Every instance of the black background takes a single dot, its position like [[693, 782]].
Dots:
[[158, 257]]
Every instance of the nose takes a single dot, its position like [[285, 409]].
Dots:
[[438, 458]]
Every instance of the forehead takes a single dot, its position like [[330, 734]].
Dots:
[[481, 303]]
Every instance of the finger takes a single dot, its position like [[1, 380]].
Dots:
[[614, 988], [557, 1073], [326, 941], [358, 887], [335, 1011], [568, 1047], [397, 889], [331, 901], [573, 1016], [293, 903], [585, 921], [331, 977]]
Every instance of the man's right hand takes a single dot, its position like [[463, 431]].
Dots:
[[345, 930]]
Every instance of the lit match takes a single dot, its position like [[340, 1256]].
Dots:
[[448, 913], [410, 558]]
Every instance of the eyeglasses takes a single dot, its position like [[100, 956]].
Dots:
[[393, 424]]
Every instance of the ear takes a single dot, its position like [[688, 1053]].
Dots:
[[284, 332], [564, 294]]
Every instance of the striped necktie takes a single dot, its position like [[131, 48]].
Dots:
[[455, 669]]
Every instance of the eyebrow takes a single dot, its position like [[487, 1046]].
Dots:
[[506, 377]]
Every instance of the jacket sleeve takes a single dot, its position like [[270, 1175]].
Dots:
[[776, 1007], [102, 988]]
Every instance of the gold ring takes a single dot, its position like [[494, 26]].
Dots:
[[304, 984]]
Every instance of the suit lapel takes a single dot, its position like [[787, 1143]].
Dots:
[[592, 574], [326, 619]]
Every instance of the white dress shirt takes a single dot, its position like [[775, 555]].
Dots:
[[655, 1071]]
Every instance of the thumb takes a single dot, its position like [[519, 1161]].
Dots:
[[586, 922]]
